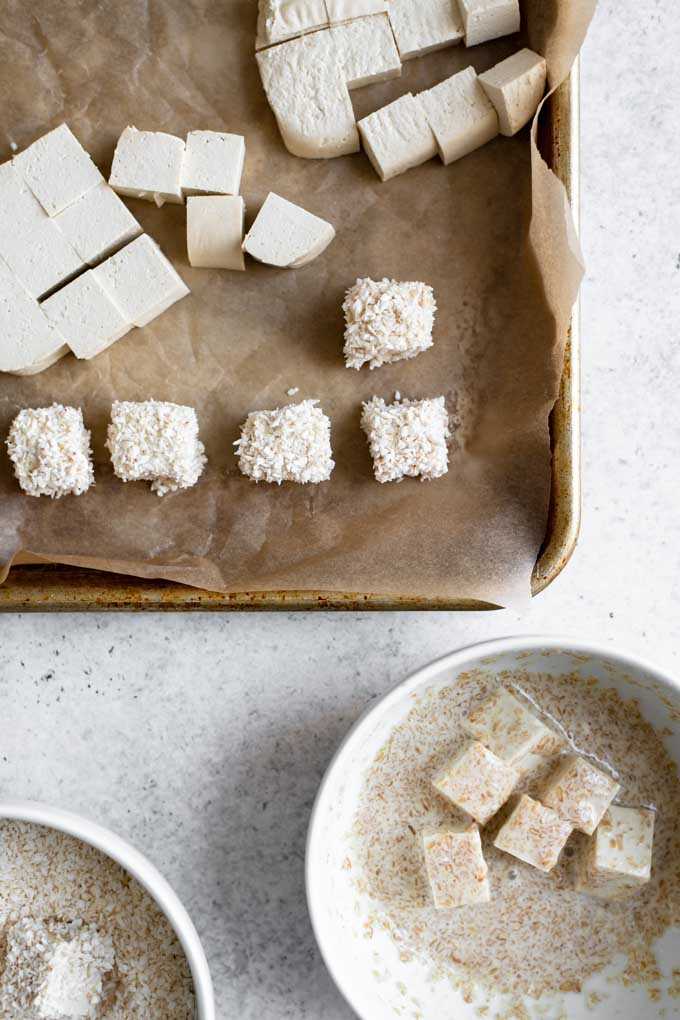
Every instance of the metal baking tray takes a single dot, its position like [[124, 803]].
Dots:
[[48, 587]]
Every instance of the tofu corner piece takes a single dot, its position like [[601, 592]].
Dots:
[[484, 20], [215, 231], [534, 834], [29, 343], [140, 281], [213, 163], [460, 114], [50, 450], [425, 26], [580, 793], [86, 317], [516, 87], [281, 20], [507, 727], [367, 51], [456, 869], [57, 169], [618, 858], [148, 165], [397, 137], [407, 439], [97, 224], [477, 781], [285, 235]]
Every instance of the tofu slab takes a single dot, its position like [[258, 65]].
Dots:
[[510, 729], [85, 316], [148, 165], [213, 163], [460, 114], [580, 793], [140, 281], [618, 858], [97, 224], [425, 26], [57, 169], [489, 19], [516, 87], [477, 781], [346, 10], [215, 231], [285, 235], [279, 20], [28, 341], [368, 51], [398, 137], [534, 834], [456, 869]]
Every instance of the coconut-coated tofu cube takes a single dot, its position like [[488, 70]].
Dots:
[[215, 231], [57, 169], [287, 444], [489, 19], [534, 834], [477, 781], [148, 165], [516, 87], [213, 163], [428, 25], [97, 224], [407, 438], [397, 137], [85, 316], [140, 281], [460, 114], [50, 450], [508, 728], [387, 321], [456, 869], [618, 858], [580, 793]]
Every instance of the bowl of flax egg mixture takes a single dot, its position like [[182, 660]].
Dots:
[[499, 838]]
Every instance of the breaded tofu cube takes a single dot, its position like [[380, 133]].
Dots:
[[85, 316], [428, 25], [50, 450], [288, 444], [408, 438], [580, 793], [215, 231], [57, 169], [148, 165], [489, 19], [456, 869], [97, 224], [516, 87], [534, 834], [140, 281], [618, 858], [157, 442], [286, 235], [387, 321], [367, 50], [397, 137], [477, 781], [460, 114], [507, 727], [213, 163]]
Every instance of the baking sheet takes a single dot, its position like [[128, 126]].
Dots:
[[241, 340]]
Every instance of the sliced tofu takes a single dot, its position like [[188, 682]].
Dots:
[[347, 10], [285, 235], [28, 342], [489, 19], [97, 224], [425, 26], [40, 256], [20, 210], [213, 163], [140, 281], [280, 20], [86, 317], [516, 87], [57, 169], [460, 114], [215, 231], [148, 165], [398, 137], [367, 50]]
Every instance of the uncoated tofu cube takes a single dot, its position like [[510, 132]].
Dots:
[[20, 210], [148, 164], [397, 137], [97, 224], [57, 169], [140, 281], [213, 163], [340, 11], [534, 834], [504, 725], [28, 341], [215, 231], [516, 87], [425, 26], [460, 114], [477, 781], [456, 868], [618, 858], [86, 317], [281, 20], [367, 50], [489, 19], [580, 793], [31, 245]]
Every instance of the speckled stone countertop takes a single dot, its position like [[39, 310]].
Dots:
[[203, 738]]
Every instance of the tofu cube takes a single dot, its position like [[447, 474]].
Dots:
[[387, 321], [534, 834], [28, 341], [148, 165], [57, 169], [140, 281], [213, 163], [489, 19], [397, 137], [20, 210], [280, 20], [428, 25], [97, 224], [288, 444], [155, 442], [507, 727], [367, 51], [215, 231], [456, 869], [516, 87], [40, 257], [50, 450], [477, 782], [285, 235], [86, 317], [618, 859], [340, 11], [460, 114], [580, 793], [408, 438]]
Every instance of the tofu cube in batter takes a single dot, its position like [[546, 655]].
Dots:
[[618, 858], [460, 114], [534, 834], [477, 781], [407, 438], [507, 727], [489, 19], [397, 137], [97, 224], [456, 869], [213, 163], [148, 165], [57, 169], [515, 87], [580, 793]]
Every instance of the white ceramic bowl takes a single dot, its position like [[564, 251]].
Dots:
[[369, 973], [145, 873]]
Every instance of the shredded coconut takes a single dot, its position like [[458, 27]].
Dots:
[[408, 438], [292, 391], [387, 321], [289, 444], [156, 442], [50, 450]]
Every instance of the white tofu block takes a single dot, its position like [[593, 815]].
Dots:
[[397, 137], [280, 20], [516, 87], [425, 26], [507, 727], [368, 51], [305, 85], [97, 224], [213, 163], [140, 281], [387, 321], [215, 231], [534, 834], [489, 19], [57, 169], [407, 439], [40, 257], [46, 362], [285, 235], [580, 793], [618, 858], [20, 210], [28, 342], [456, 868], [86, 316], [477, 781], [288, 444], [460, 114], [148, 165], [340, 11], [50, 450]]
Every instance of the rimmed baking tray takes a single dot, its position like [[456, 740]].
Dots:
[[49, 587]]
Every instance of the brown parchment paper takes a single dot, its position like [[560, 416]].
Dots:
[[505, 282]]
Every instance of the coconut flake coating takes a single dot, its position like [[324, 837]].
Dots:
[[157, 442], [408, 438], [288, 444], [50, 450], [387, 321]]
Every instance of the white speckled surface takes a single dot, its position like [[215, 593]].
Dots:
[[202, 738]]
